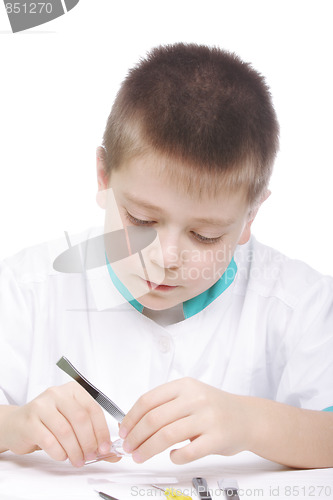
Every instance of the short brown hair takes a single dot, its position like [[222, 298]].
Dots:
[[201, 106]]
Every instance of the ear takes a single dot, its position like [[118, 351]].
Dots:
[[102, 177], [246, 234]]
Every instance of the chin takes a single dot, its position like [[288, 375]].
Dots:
[[157, 304]]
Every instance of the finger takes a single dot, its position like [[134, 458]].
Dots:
[[197, 448], [63, 432], [89, 422], [112, 458], [35, 436], [98, 421], [155, 420], [80, 421], [100, 428], [49, 443], [150, 400], [167, 436]]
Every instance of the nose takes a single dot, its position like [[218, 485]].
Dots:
[[167, 251]]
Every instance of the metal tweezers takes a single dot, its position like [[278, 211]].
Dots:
[[100, 398], [103, 400]]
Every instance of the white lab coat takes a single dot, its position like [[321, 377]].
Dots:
[[270, 334]]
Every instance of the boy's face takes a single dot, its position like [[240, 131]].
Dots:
[[197, 236]]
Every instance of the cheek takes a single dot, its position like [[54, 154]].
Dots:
[[207, 265], [212, 255]]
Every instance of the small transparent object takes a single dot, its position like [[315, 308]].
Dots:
[[116, 449]]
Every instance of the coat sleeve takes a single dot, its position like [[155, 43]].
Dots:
[[16, 331], [307, 378]]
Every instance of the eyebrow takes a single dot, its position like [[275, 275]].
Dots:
[[200, 220]]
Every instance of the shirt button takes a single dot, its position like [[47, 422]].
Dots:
[[164, 344]]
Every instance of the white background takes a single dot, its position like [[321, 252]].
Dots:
[[58, 82]]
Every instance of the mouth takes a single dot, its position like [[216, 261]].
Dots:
[[160, 287]]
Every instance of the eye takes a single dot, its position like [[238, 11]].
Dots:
[[138, 222], [204, 239]]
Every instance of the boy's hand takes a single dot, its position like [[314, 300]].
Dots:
[[215, 422], [64, 421]]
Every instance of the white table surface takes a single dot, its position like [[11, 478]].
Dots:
[[37, 477]]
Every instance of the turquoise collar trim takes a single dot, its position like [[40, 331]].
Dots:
[[200, 302], [192, 306]]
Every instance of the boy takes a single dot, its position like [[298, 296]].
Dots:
[[229, 341]]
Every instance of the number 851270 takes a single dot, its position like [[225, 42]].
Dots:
[[28, 7]]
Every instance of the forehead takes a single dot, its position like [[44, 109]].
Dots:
[[153, 180]]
